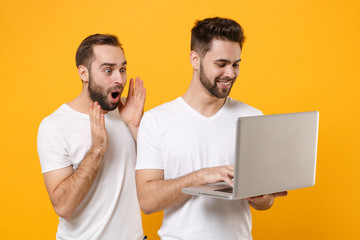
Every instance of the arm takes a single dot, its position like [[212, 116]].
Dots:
[[156, 194], [67, 188], [133, 109], [264, 202]]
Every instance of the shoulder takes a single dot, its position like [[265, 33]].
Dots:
[[51, 127], [51, 120], [167, 109], [160, 117], [63, 117]]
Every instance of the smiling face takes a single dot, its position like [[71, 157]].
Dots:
[[107, 76], [219, 67]]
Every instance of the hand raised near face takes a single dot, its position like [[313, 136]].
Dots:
[[133, 109], [99, 138]]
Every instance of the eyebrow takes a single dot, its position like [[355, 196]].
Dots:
[[112, 64], [227, 61]]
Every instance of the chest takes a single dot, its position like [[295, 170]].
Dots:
[[189, 145], [120, 142]]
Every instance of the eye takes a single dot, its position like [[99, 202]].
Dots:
[[236, 65], [221, 65], [122, 70], [108, 71]]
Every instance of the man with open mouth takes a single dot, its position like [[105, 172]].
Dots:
[[87, 148]]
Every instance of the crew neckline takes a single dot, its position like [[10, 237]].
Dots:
[[80, 113]]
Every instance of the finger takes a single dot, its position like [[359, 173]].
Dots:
[[231, 167], [143, 97], [91, 105], [228, 181], [229, 170], [91, 114], [257, 198], [97, 114], [139, 85], [131, 88], [102, 120], [280, 194], [229, 175]]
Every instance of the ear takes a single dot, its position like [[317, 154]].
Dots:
[[195, 60], [83, 73]]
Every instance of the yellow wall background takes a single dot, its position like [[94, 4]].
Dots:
[[299, 55]]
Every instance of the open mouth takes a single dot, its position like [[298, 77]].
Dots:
[[115, 94]]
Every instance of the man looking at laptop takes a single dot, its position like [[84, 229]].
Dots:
[[87, 148], [190, 141]]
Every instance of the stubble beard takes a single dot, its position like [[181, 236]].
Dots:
[[213, 89], [99, 94]]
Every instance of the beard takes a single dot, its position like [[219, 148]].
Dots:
[[99, 94], [213, 88]]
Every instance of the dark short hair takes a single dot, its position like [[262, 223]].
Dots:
[[208, 29], [85, 52]]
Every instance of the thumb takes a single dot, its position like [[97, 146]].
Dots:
[[280, 194]]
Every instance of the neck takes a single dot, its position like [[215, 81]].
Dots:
[[201, 100]]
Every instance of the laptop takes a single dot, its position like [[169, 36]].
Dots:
[[273, 153]]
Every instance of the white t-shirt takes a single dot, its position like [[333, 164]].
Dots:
[[176, 138], [110, 210]]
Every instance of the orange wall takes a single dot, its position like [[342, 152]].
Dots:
[[299, 56]]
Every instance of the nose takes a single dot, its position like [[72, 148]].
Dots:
[[120, 78], [229, 72]]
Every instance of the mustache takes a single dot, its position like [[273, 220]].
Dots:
[[225, 79], [116, 88]]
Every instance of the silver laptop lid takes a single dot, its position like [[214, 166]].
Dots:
[[275, 150]]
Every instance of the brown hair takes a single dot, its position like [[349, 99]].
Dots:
[[208, 29], [85, 54]]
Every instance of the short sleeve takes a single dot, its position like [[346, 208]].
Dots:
[[52, 148], [148, 144]]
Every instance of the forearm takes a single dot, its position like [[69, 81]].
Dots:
[[68, 195], [157, 195]]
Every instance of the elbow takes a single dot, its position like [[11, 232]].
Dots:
[[147, 209], [63, 213], [148, 196], [147, 201], [146, 212], [148, 204]]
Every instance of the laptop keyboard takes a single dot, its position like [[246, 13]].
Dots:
[[227, 190]]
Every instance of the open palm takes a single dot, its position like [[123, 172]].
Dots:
[[133, 109]]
